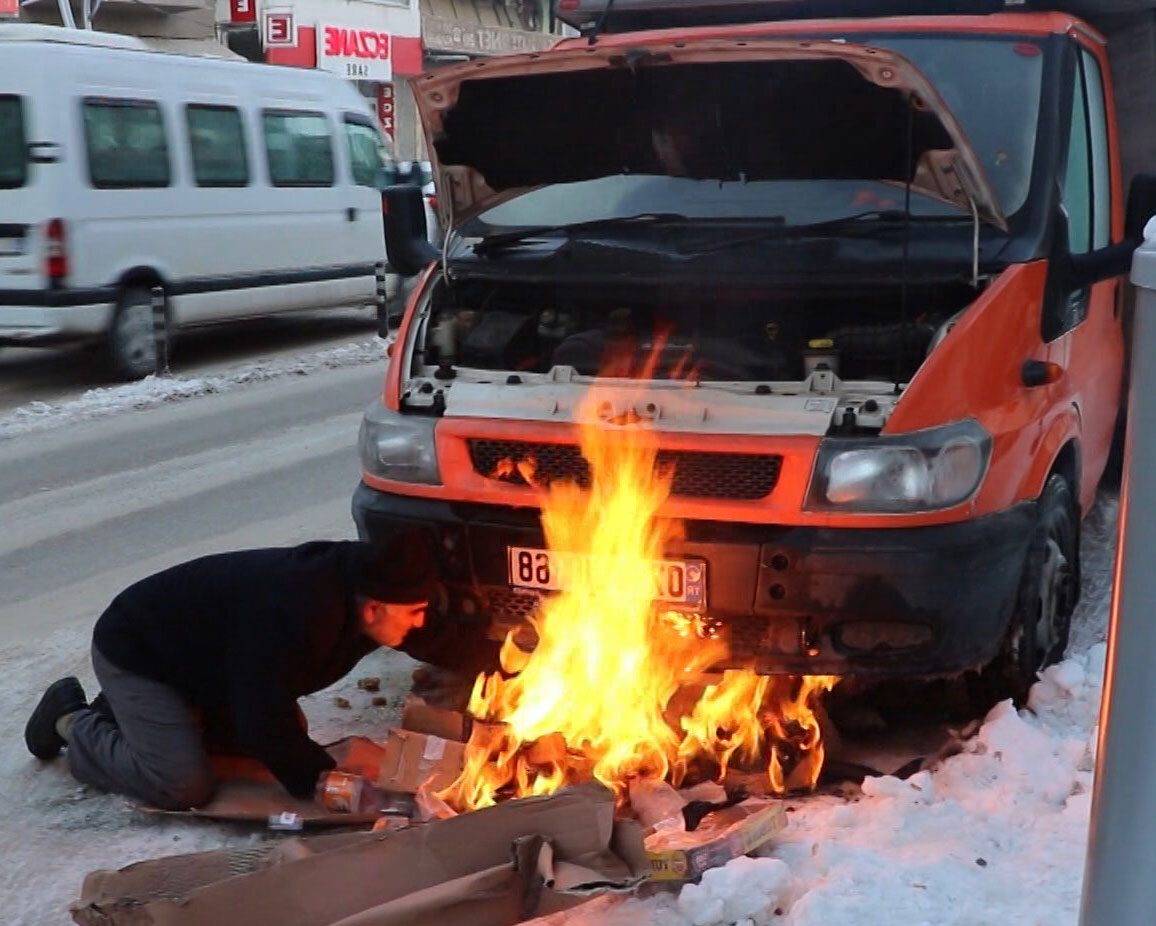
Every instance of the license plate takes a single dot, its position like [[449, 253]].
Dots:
[[678, 582]]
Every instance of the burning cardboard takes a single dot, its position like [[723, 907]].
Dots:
[[491, 868]]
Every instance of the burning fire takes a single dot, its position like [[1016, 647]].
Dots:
[[594, 697]]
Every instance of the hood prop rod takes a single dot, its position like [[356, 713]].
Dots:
[[598, 26], [908, 168]]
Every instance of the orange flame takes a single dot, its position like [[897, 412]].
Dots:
[[591, 699]]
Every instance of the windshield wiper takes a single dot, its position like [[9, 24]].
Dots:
[[872, 218], [500, 240]]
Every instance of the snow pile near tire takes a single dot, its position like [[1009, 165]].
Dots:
[[995, 834], [153, 391]]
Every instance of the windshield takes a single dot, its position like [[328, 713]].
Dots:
[[13, 152], [974, 76]]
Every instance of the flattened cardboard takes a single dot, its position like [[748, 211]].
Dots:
[[247, 793], [257, 801], [412, 759], [320, 881], [722, 836]]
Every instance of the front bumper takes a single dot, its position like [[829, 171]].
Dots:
[[51, 324], [820, 601]]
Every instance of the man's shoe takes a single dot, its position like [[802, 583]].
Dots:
[[62, 697]]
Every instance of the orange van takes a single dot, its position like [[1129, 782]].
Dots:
[[889, 248]]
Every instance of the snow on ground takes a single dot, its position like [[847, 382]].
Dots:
[[996, 834], [53, 832], [158, 390]]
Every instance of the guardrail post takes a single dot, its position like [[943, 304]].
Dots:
[[160, 330], [1119, 884]]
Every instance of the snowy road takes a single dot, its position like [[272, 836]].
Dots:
[[59, 373], [88, 506], [267, 457]]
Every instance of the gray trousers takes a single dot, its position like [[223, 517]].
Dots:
[[152, 748]]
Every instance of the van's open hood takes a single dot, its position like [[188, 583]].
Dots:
[[753, 109]]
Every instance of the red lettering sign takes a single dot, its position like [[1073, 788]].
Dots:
[[356, 43], [242, 11], [279, 30], [385, 111]]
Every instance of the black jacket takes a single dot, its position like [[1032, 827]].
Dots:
[[244, 635]]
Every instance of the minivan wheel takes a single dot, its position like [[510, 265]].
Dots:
[[132, 349], [1048, 592]]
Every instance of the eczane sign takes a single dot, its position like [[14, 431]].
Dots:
[[356, 54]]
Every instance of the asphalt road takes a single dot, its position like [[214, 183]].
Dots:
[[86, 509], [53, 374]]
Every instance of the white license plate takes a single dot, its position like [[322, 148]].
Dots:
[[680, 582]]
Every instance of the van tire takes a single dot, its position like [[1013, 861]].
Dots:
[[131, 344], [1048, 591]]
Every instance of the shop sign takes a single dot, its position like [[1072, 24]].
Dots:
[[10, 9], [240, 11], [356, 54], [385, 110], [450, 35], [280, 29]]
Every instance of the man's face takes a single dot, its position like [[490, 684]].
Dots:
[[388, 623]]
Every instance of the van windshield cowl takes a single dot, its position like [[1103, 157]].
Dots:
[[13, 147]]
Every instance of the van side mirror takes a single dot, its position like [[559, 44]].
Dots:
[[406, 244], [1116, 259]]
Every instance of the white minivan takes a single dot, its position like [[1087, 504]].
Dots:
[[239, 189]]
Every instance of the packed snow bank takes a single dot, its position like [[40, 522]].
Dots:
[[158, 390], [994, 835]]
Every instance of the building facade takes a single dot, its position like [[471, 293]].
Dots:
[[382, 44], [187, 26]]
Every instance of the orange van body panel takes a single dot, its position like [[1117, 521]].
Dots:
[[1025, 24], [975, 373]]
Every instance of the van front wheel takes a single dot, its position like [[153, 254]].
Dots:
[[1048, 592], [132, 348]]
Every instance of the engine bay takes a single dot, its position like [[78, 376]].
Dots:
[[858, 348]]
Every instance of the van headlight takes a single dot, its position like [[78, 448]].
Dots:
[[398, 447], [920, 471]]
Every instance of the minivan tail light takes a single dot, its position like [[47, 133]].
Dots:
[[55, 252]]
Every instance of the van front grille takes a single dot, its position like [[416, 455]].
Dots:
[[697, 474]]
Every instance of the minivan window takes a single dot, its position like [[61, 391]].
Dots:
[[1101, 173], [126, 144], [217, 142], [366, 153], [1077, 190], [299, 148], [13, 147]]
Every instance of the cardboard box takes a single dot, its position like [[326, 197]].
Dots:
[[413, 759], [722, 836], [493, 867], [420, 717]]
